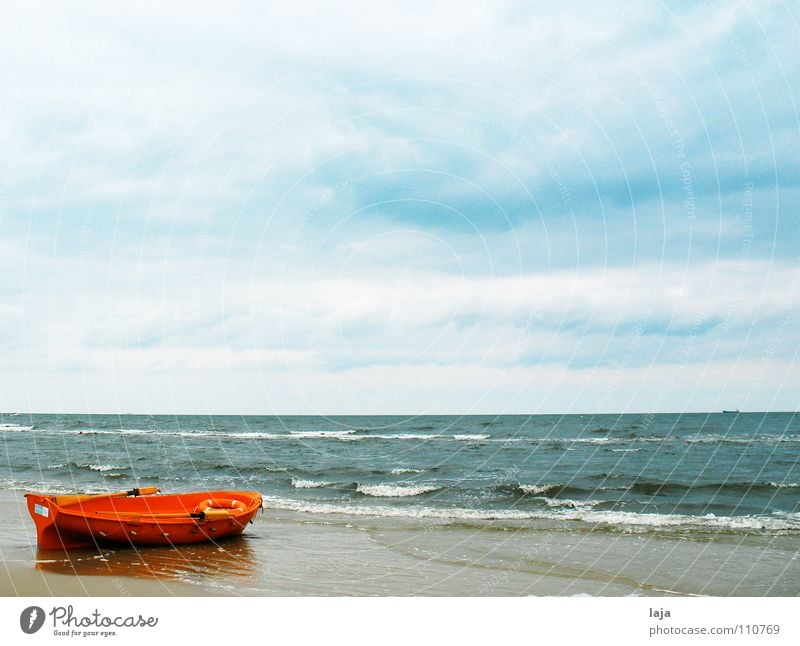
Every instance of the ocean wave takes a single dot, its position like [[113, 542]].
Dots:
[[537, 489], [406, 436], [570, 442], [118, 431], [624, 450], [15, 428], [779, 522], [568, 503], [395, 491], [102, 468], [422, 437], [541, 489], [352, 436], [226, 435], [345, 435], [134, 431], [593, 440], [559, 441], [292, 436], [709, 521], [48, 487], [298, 483], [646, 487], [99, 467], [712, 438], [631, 439], [401, 472], [626, 433], [666, 488], [321, 435]]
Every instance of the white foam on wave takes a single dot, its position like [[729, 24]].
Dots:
[[345, 436], [395, 491], [625, 450], [476, 437], [785, 485], [298, 483], [404, 436], [593, 440], [775, 522], [99, 467], [337, 435], [46, 487], [93, 431], [537, 489], [400, 472], [225, 434], [513, 440], [14, 428], [567, 503], [712, 438], [103, 468]]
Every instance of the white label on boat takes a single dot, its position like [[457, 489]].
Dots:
[[41, 510]]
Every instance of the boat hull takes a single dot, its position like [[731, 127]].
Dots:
[[137, 520]]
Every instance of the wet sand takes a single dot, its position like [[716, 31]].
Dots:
[[289, 553]]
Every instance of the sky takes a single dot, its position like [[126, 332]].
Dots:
[[399, 207]]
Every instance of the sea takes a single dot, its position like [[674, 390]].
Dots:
[[712, 472]]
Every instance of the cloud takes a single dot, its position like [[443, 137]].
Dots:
[[337, 193], [387, 300]]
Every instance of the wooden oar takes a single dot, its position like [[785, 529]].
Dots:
[[208, 514], [142, 514], [62, 501]]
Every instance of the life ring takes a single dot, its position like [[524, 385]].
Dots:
[[220, 505]]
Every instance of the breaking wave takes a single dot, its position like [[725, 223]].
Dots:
[[297, 483], [395, 491], [15, 428], [785, 522]]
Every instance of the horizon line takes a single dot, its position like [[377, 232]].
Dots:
[[493, 414]]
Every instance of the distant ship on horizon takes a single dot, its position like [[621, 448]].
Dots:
[[730, 411]]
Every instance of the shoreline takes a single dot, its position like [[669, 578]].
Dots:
[[288, 553]]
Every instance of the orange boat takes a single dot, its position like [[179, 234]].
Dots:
[[140, 517]]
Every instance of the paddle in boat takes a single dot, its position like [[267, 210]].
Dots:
[[140, 517]]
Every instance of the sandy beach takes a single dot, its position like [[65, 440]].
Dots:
[[290, 553]]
